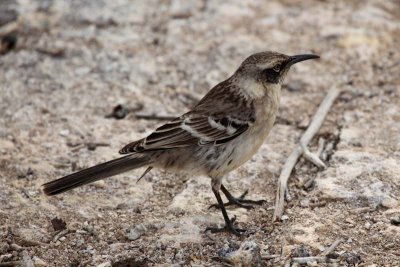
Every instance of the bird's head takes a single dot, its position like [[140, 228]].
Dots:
[[269, 67]]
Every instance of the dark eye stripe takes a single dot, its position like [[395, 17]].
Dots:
[[271, 76]]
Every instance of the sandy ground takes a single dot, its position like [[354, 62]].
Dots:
[[74, 61]]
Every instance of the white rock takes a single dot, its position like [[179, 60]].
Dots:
[[64, 132], [136, 232], [360, 174], [39, 262], [390, 203], [105, 264], [247, 255], [183, 8], [141, 229], [26, 260]]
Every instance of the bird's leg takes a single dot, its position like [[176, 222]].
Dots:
[[238, 201], [228, 222]]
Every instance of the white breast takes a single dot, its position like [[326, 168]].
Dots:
[[247, 144]]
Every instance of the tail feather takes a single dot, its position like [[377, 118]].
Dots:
[[95, 173]]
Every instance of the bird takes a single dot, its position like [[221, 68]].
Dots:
[[219, 134]]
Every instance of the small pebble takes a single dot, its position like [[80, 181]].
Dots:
[[39, 262], [4, 247], [64, 132], [248, 254], [135, 233], [119, 112], [79, 242], [390, 203], [82, 71], [284, 217], [302, 251], [395, 221], [58, 224]]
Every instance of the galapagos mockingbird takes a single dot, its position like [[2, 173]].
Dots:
[[219, 134]]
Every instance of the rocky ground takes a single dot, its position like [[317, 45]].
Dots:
[[65, 65]]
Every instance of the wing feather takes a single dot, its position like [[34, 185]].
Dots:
[[207, 124]]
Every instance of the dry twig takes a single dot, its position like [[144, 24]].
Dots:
[[314, 158], [9, 28], [362, 210], [318, 259], [151, 116], [51, 51], [321, 145], [270, 257], [332, 247], [315, 124], [90, 146], [305, 260], [318, 204], [307, 184], [60, 234], [10, 263]]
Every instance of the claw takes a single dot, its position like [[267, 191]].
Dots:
[[231, 201], [239, 201], [242, 196], [227, 228], [214, 206]]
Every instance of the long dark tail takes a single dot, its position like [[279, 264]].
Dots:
[[95, 173]]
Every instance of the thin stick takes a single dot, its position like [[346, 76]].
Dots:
[[270, 257], [313, 158], [307, 184], [9, 28], [10, 263], [155, 117], [313, 128], [318, 204], [321, 145], [60, 234], [16, 247], [332, 247], [361, 210], [305, 260], [52, 51]]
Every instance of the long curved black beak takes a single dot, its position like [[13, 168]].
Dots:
[[299, 58]]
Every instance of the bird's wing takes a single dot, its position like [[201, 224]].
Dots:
[[190, 130], [211, 122]]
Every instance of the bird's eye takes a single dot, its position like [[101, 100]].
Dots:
[[277, 68]]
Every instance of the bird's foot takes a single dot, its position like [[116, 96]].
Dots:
[[240, 202], [227, 228]]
